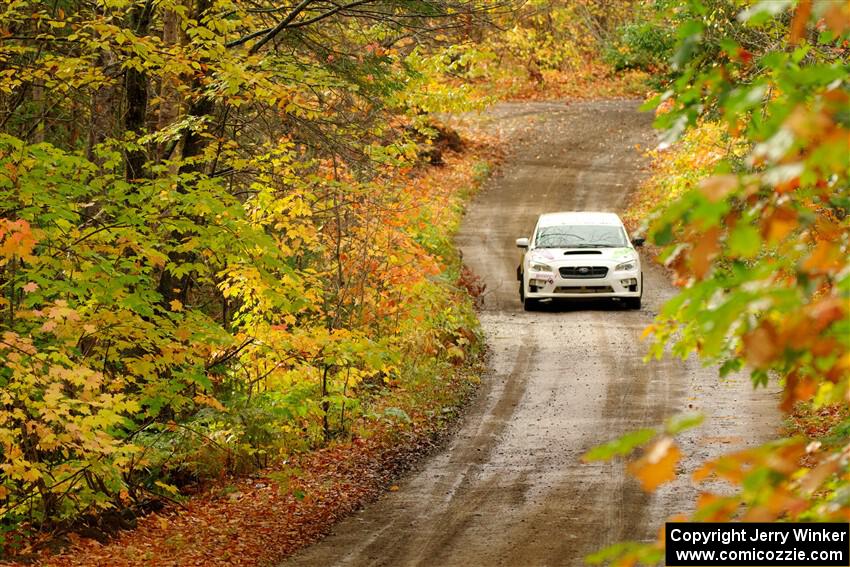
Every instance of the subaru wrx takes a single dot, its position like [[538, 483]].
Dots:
[[580, 255]]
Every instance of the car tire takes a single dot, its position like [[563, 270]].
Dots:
[[529, 304]]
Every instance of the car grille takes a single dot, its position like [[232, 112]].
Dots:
[[585, 289], [583, 272]]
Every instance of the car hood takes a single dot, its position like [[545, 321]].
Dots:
[[581, 256]]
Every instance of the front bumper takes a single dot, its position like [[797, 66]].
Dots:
[[545, 285]]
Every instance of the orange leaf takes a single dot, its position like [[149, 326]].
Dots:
[[805, 389], [204, 400], [716, 187], [823, 259], [826, 312], [779, 224], [797, 389], [789, 394], [840, 370], [801, 18], [824, 346], [705, 251], [657, 465], [818, 476], [760, 345], [786, 460], [837, 17], [713, 508], [702, 473]]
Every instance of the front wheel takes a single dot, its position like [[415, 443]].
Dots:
[[529, 304]]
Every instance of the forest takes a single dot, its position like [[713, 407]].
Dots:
[[226, 238]]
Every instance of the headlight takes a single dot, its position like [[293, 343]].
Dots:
[[538, 267], [626, 266]]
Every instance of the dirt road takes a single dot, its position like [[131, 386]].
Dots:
[[509, 489]]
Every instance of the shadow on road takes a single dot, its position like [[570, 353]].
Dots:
[[573, 305]]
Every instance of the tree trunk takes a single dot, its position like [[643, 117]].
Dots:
[[136, 94], [170, 287], [169, 96]]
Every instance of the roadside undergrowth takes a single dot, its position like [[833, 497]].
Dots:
[[587, 81], [384, 421], [263, 518]]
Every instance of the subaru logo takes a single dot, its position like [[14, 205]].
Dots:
[[583, 270]]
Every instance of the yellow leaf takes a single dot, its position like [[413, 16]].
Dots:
[[31, 475], [205, 400], [176, 305]]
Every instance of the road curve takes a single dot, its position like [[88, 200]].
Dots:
[[509, 489]]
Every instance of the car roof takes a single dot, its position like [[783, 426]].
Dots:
[[579, 218]]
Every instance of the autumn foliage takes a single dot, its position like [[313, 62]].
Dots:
[[754, 174], [217, 247]]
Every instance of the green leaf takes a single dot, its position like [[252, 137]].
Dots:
[[745, 241], [621, 446], [683, 421], [763, 11]]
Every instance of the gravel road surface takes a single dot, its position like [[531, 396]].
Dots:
[[509, 488]]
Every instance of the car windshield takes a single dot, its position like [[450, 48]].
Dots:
[[580, 236]]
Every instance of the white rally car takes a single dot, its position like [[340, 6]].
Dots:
[[580, 255]]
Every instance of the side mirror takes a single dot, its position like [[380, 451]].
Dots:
[[522, 243], [638, 241]]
